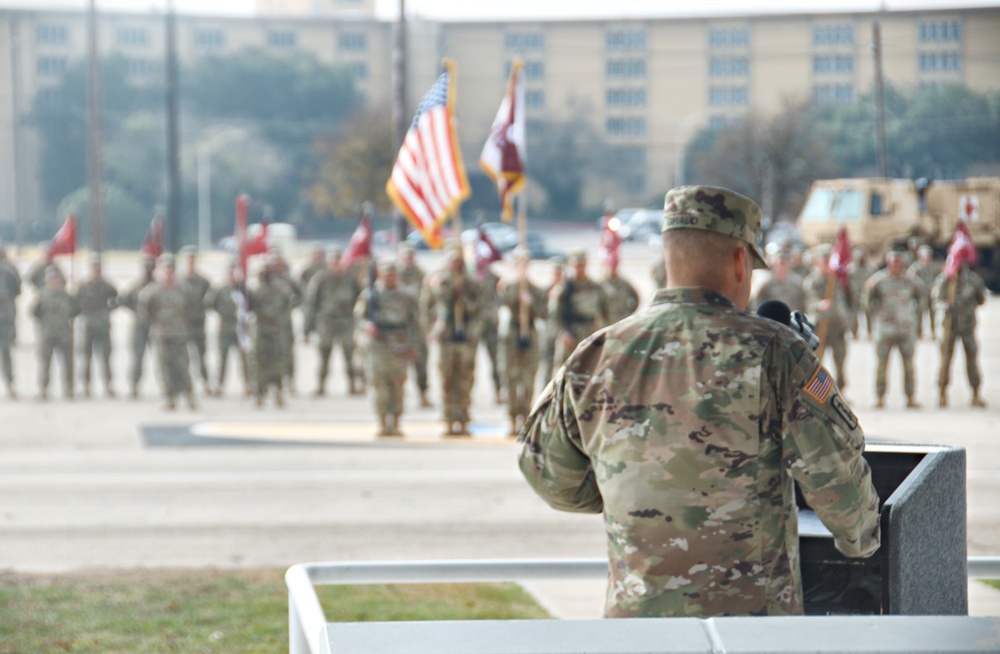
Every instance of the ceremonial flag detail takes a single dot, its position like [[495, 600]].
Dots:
[[360, 245], [820, 386], [961, 251], [841, 257], [486, 253], [64, 242], [503, 156], [428, 181], [152, 244], [610, 243], [258, 244]]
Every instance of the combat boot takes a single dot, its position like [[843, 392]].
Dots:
[[260, 399], [424, 402], [320, 389], [911, 403], [499, 397], [191, 403], [11, 393], [135, 391], [513, 426], [977, 402], [880, 402], [943, 398], [279, 399], [383, 428], [86, 390], [171, 404], [110, 392]]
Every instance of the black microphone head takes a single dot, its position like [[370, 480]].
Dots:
[[775, 310]]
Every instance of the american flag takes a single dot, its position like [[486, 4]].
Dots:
[[428, 181], [820, 385]]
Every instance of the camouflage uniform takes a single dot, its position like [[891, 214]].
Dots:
[[97, 299], [623, 299], [310, 271], [520, 347], [140, 326], [687, 424], [55, 311], [329, 308], [10, 288], [859, 273], [926, 273], [411, 279], [578, 308], [552, 328], [269, 305], [389, 351], [957, 320], [837, 318], [787, 290], [294, 293], [659, 273], [167, 310], [197, 287], [456, 300], [36, 274], [223, 301], [894, 305], [490, 326]]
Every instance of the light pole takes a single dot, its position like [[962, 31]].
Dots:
[[204, 170]]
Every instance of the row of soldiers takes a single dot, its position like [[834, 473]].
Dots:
[[894, 302]]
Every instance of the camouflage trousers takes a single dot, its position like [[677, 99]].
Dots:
[[520, 370], [883, 347], [268, 367], [836, 345], [63, 347], [140, 340], [927, 311], [971, 358], [196, 343], [96, 337], [175, 372], [491, 339], [420, 365], [342, 334], [7, 340], [227, 340], [288, 351], [387, 373], [457, 366]]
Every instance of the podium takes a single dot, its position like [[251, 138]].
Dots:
[[921, 567]]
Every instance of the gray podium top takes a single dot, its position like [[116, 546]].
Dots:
[[773, 635]]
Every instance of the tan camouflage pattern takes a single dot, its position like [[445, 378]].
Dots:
[[894, 306], [388, 354], [521, 353], [489, 334], [926, 273], [838, 318], [970, 293], [197, 287], [55, 311], [140, 327], [222, 301], [686, 424], [411, 279], [97, 298], [166, 309], [10, 288], [270, 304], [452, 299], [581, 311], [623, 299], [715, 209], [787, 290], [329, 311]]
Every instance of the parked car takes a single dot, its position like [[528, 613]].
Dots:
[[641, 224]]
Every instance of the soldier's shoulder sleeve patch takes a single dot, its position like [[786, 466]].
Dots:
[[820, 386], [844, 412]]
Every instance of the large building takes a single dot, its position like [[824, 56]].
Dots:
[[643, 87]]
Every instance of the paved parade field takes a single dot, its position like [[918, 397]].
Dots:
[[121, 483]]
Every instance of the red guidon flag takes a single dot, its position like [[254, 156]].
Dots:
[[486, 253], [152, 244], [841, 258], [258, 244], [64, 242], [610, 241], [503, 157], [360, 245], [961, 251], [428, 181]]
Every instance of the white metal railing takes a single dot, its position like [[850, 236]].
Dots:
[[306, 619]]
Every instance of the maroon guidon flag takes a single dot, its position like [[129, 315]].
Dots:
[[961, 251], [64, 242], [503, 156], [486, 253], [152, 244], [360, 245], [841, 258]]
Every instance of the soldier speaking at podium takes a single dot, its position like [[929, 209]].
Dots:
[[686, 425]]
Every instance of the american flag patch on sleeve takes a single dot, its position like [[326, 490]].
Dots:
[[820, 386]]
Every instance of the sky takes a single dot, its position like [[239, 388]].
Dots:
[[517, 9]]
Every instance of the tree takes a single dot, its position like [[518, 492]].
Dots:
[[561, 156]]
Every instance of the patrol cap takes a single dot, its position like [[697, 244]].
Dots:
[[334, 251], [387, 266], [166, 260], [558, 260], [52, 273], [893, 255], [824, 250], [407, 248], [925, 249], [715, 209], [577, 257], [95, 257], [189, 251]]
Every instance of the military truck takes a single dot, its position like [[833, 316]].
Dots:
[[882, 213]]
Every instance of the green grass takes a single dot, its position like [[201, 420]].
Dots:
[[194, 611], [995, 583]]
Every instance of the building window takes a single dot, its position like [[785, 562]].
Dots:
[[534, 70], [631, 155], [833, 35], [729, 67], [138, 67], [833, 94], [352, 42], [50, 96], [132, 36], [534, 99], [636, 184], [209, 38], [845, 64], [721, 122], [728, 95], [626, 68], [729, 37], [631, 126], [625, 40], [625, 97], [534, 130], [946, 31], [282, 39], [521, 41], [358, 70], [51, 66], [937, 62], [51, 34], [826, 64]]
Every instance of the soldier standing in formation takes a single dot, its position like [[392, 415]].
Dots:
[[166, 306], [955, 303], [456, 300], [834, 312], [55, 310], [387, 314], [490, 326], [520, 348], [552, 330], [783, 285], [411, 279], [196, 287], [98, 298], [859, 272], [578, 307], [689, 425], [926, 269], [10, 288], [329, 312], [223, 301], [140, 323], [894, 302], [623, 299], [283, 277], [37, 272], [269, 305], [317, 264]]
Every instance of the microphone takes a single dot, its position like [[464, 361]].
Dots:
[[778, 311]]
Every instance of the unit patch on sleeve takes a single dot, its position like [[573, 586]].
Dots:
[[844, 412], [820, 386]]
